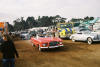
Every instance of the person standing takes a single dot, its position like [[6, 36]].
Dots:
[[8, 51]]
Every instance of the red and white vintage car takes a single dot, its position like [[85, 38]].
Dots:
[[46, 42]]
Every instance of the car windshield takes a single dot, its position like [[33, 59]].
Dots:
[[41, 35], [32, 32], [85, 30], [45, 35], [24, 32]]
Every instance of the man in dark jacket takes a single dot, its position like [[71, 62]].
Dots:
[[9, 51]]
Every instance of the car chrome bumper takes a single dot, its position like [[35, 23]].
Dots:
[[52, 47], [96, 40]]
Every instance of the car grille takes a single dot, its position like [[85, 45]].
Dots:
[[54, 43]]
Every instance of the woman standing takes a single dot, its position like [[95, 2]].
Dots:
[[9, 51]]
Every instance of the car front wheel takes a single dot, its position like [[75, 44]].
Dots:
[[89, 40], [33, 44]]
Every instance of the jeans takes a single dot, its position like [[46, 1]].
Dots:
[[8, 62]]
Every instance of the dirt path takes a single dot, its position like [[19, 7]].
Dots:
[[76, 54]]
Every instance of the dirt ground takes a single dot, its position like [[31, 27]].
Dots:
[[78, 54]]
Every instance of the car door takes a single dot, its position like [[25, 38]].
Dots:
[[83, 37], [79, 36]]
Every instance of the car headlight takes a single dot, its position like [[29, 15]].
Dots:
[[60, 42], [44, 45]]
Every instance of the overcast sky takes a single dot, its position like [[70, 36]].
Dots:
[[12, 9]]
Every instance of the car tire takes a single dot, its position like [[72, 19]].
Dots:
[[33, 45], [59, 36], [89, 40], [73, 39]]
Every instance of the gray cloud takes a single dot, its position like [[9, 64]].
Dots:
[[65, 8]]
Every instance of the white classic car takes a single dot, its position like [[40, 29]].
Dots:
[[88, 36]]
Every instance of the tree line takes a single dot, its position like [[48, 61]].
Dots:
[[44, 21], [30, 22], [85, 19]]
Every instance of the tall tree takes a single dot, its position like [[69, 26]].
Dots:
[[19, 24], [10, 27], [31, 22]]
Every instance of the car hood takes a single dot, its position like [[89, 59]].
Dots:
[[48, 39]]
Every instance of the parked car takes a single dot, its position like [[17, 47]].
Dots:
[[46, 42], [24, 35], [88, 36], [32, 33]]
